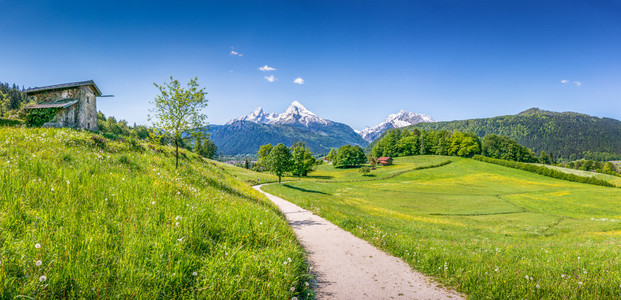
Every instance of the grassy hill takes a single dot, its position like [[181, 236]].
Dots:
[[490, 231], [85, 217], [563, 134]]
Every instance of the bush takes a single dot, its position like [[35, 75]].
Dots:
[[11, 122], [365, 170]]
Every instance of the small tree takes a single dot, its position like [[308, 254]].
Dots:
[[279, 160], [365, 170], [331, 155], [209, 149], [178, 111], [303, 160], [263, 154]]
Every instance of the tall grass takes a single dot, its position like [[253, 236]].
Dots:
[[86, 217]]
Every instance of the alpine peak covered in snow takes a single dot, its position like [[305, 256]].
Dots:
[[296, 114], [398, 120]]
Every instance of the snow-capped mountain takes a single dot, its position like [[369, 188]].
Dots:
[[398, 120], [256, 116], [245, 135], [296, 114]]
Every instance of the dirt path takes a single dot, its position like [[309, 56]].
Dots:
[[350, 268]]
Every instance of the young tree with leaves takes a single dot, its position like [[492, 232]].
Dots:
[[279, 160], [178, 110]]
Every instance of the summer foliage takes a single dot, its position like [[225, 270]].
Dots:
[[400, 142], [82, 216], [179, 110], [490, 231], [298, 160]]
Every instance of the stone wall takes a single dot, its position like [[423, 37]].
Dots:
[[80, 115]]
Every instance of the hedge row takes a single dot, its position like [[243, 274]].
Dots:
[[11, 122], [544, 171]]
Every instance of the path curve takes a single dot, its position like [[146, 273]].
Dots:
[[348, 267]]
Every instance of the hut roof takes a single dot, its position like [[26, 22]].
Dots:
[[56, 104], [65, 86]]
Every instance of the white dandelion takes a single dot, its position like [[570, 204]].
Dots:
[[43, 278], [194, 274], [538, 287], [38, 263], [37, 245]]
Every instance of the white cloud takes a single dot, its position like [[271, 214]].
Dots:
[[577, 83], [235, 53], [270, 78], [267, 68], [299, 80]]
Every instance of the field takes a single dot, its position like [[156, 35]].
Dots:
[[85, 217], [487, 230], [610, 178]]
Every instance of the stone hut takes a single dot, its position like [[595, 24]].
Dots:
[[75, 103]]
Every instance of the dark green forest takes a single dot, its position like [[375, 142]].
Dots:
[[11, 99], [566, 135]]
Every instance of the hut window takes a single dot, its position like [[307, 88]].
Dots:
[[88, 99], [88, 125]]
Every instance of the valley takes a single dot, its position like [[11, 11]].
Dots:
[[488, 230]]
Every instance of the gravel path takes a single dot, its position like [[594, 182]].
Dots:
[[350, 268]]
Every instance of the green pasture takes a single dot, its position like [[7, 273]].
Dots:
[[610, 178], [486, 230], [326, 171], [85, 217]]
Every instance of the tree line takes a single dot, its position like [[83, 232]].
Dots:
[[112, 129], [280, 160]]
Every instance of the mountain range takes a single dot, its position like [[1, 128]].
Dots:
[[398, 120], [246, 134]]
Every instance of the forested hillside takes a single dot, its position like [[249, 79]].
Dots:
[[11, 97], [568, 135], [243, 137]]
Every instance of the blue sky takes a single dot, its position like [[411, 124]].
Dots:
[[359, 60]]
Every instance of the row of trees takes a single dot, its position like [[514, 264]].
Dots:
[[591, 165], [297, 160], [403, 142]]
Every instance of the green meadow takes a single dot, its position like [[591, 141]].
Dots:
[[487, 230], [85, 217]]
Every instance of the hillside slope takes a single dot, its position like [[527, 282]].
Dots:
[[85, 217], [245, 137], [563, 134]]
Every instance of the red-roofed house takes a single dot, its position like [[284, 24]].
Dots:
[[384, 161]]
